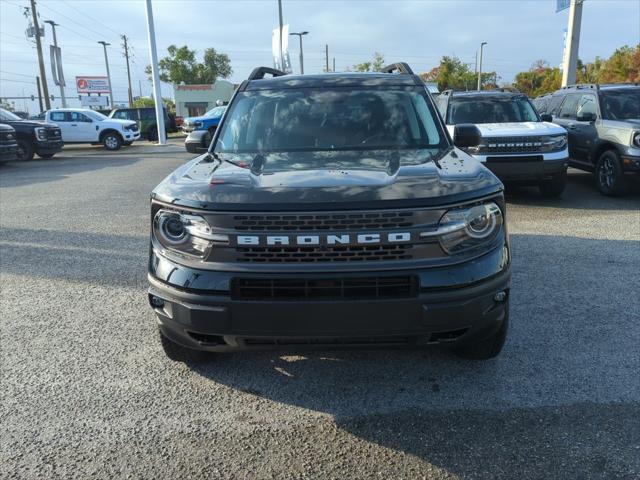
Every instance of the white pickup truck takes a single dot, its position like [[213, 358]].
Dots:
[[81, 125]]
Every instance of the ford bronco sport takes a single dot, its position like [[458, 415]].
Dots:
[[518, 145], [603, 122], [331, 209]]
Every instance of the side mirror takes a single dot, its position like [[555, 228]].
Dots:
[[466, 135], [545, 117], [586, 117]]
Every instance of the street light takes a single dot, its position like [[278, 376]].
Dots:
[[480, 66], [300, 35], [106, 61]]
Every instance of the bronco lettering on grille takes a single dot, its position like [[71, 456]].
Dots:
[[328, 239]]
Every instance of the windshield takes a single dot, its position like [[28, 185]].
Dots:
[[95, 115], [491, 110], [330, 119], [215, 112], [621, 105], [8, 116]]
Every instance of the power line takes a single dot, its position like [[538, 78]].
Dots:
[[89, 17], [71, 20]]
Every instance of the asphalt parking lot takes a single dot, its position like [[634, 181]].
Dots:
[[88, 393]]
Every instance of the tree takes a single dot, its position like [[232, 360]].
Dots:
[[182, 66], [374, 65], [452, 73], [145, 102]]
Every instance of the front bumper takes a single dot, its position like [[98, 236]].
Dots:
[[131, 136], [454, 304], [48, 146], [8, 153], [195, 140], [631, 162], [526, 167]]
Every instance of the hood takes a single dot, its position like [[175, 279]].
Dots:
[[519, 128], [120, 121], [30, 123], [201, 119], [327, 180]]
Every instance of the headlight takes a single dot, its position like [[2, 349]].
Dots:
[[184, 234], [553, 143], [197, 124], [635, 139], [41, 133], [467, 228]]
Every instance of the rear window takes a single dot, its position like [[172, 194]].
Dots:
[[330, 119], [475, 109]]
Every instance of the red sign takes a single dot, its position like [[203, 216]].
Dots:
[[92, 84], [194, 87]]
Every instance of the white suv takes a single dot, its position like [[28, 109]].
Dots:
[[81, 125], [518, 145]]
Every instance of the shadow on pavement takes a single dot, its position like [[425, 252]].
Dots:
[[581, 193]]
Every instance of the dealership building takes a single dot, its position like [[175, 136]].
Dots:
[[194, 100]]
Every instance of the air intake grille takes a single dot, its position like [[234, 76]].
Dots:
[[326, 254], [313, 222], [324, 289], [513, 144]]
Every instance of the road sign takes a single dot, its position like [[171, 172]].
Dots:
[[94, 101], [92, 84], [562, 5]]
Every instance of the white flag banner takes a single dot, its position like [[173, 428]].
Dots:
[[283, 63]]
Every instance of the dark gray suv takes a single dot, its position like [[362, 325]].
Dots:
[[603, 123]]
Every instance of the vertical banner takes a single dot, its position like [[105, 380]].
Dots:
[[56, 65], [285, 64]]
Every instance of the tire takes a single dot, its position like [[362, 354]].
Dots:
[[112, 141], [46, 155], [554, 187], [152, 134], [25, 150], [610, 178], [489, 347], [178, 353]]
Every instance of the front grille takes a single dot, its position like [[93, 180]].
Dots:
[[324, 254], [332, 221], [324, 289], [7, 137], [133, 128], [513, 144]]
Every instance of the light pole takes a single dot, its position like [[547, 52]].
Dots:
[[280, 33], [106, 61], [570, 60], [480, 66], [155, 74], [59, 77], [300, 35]]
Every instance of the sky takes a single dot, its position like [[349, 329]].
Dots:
[[420, 32]]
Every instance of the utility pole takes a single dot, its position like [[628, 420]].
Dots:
[[126, 55], [475, 69], [570, 60], [480, 66], [280, 33], [334, 64], [45, 90], [140, 88], [58, 63], [106, 61], [326, 57], [157, 94], [39, 94]]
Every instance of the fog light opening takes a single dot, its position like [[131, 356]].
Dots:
[[500, 296], [156, 302]]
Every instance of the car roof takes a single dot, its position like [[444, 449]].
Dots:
[[328, 80], [474, 94]]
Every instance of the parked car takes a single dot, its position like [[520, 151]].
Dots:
[[200, 130], [517, 144], [82, 125], [603, 122], [333, 209], [8, 143], [33, 137], [146, 119]]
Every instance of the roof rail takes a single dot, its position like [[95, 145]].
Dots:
[[583, 86], [401, 67], [258, 73]]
